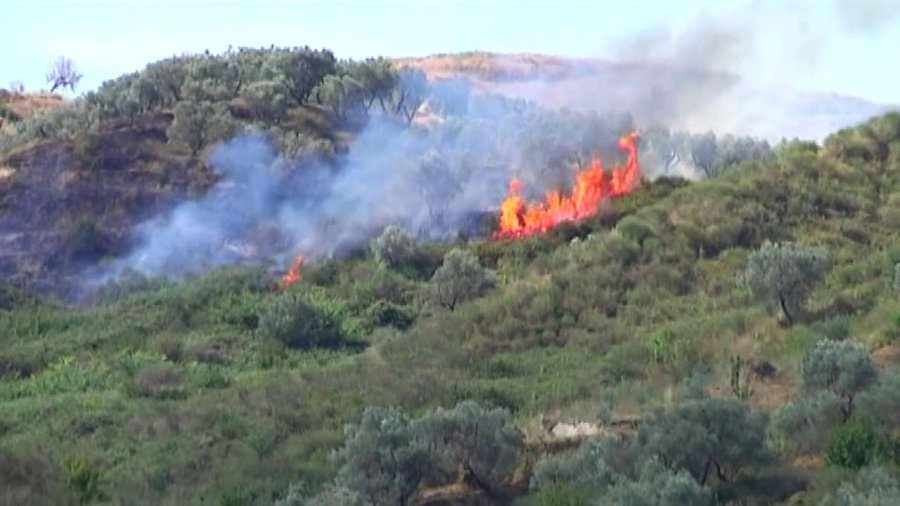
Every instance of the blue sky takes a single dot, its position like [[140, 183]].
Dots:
[[844, 46]]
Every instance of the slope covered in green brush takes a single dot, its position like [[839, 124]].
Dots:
[[653, 353]]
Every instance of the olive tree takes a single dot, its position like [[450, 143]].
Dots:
[[881, 402], [297, 322], [479, 444], [784, 273], [659, 486], [197, 124], [723, 436], [394, 246], [384, 457], [841, 367], [460, 278]]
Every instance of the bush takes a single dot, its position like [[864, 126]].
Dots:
[[296, 322], [881, 403], [854, 445], [587, 468], [559, 494], [159, 382], [721, 436], [459, 279], [83, 479], [480, 442], [393, 247], [784, 273], [660, 486], [873, 487], [384, 459], [807, 423], [841, 367]]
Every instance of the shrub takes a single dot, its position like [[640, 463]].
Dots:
[[784, 273], [881, 403], [841, 367], [808, 422], [721, 436], [559, 494], [658, 485], [480, 442], [297, 323], [587, 468], [854, 445], [393, 247], [383, 458], [83, 479], [159, 382], [873, 487], [459, 279]]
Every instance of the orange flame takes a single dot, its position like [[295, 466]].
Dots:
[[518, 219], [291, 277]]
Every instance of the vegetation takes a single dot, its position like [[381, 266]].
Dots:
[[414, 372]]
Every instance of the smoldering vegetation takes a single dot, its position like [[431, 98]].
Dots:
[[436, 181]]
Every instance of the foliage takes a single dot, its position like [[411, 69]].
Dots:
[[393, 247], [588, 467], [841, 367], [807, 423], [384, 458], [881, 402], [872, 487], [83, 479], [854, 445], [784, 273], [479, 442], [297, 322], [721, 436], [659, 485], [198, 124], [460, 278]]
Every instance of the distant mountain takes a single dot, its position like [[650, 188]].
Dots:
[[693, 99]]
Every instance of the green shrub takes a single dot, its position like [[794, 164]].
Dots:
[[83, 479], [841, 367], [393, 247], [854, 445], [296, 322], [807, 423], [159, 382], [559, 494], [872, 487], [460, 278]]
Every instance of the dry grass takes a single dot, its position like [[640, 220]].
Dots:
[[491, 66], [24, 105]]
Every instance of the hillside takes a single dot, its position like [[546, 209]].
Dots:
[[683, 98], [731, 338]]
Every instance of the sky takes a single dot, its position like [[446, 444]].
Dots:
[[841, 46]]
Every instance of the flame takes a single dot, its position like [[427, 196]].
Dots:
[[519, 219], [291, 277]]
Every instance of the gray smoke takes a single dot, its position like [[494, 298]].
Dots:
[[723, 72], [433, 182]]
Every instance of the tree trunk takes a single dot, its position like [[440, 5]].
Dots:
[[784, 309]]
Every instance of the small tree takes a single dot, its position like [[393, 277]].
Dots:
[[197, 124], [658, 485], [384, 459], [394, 246], [784, 273], [705, 436], [297, 323], [807, 423], [873, 487], [841, 367], [881, 402], [63, 74], [478, 443], [460, 278]]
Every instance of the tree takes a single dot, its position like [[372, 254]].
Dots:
[[841, 367], [704, 153], [590, 467], [197, 124], [479, 443], [411, 91], [384, 457], [63, 74], [394, 246], [296, 322], [659, 486], [460, 278], [784, 273], [704, 436]]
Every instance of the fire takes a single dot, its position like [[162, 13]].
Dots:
[[519, 219], [291, 277]]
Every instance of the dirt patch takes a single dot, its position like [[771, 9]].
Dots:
[[887, 356]]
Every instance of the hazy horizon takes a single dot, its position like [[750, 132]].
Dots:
[[838, 46]]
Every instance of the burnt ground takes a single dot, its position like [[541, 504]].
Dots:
[[69, 205]]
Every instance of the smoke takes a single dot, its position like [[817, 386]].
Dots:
[[266, 208], [738, 69]]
